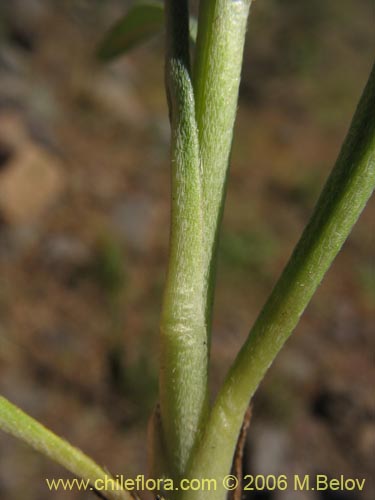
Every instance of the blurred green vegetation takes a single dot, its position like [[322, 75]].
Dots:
[[247, 252], [366, 274], [107, 267]]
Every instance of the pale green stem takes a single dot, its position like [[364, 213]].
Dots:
[[345, 194], [217, 72], [17, 423], [183, 376]]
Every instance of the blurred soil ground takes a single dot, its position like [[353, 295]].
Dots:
[[84, 214]]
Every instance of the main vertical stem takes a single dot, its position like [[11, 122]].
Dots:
[[217, 71], [202, 127], [183, 377]]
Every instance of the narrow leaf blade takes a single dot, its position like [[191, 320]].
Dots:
[[139, 24], [20, 425]]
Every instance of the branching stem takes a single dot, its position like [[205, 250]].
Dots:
[[344, 196]]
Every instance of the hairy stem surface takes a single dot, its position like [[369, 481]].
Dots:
[[217, 72], [183, 378]]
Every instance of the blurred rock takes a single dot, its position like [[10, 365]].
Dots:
[[15, 240], [270, 450], [30, 11], [12, 131], [134, 220], [13, 65], [113, 91], [63, 249], [366, 441], [66, 257], [346, 323], [30, 181], [297, 366]]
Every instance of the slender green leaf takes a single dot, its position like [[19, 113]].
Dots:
[[17, 423], [140, 23]]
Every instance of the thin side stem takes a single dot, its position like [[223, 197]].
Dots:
[[183, 376], [217, 72], [345, 194], [17, 423]]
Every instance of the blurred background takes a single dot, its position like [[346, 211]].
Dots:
[[84, 218]]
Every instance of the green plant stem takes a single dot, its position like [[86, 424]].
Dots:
[[217, 71], [183, 376], [17, 423], [345, 194]]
